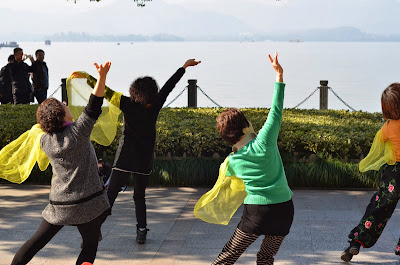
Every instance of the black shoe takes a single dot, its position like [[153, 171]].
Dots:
[[141, 235], [346, 255], [354, 248]]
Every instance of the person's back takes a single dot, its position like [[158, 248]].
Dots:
[[76, 196], [75, 173], [135, 153], [138, 134], [5, 82]]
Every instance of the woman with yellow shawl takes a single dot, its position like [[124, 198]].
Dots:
[[257, 165], [77, 196], [385, 151]]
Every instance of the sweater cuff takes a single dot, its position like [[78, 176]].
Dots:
[[280, 84], [93, 108]]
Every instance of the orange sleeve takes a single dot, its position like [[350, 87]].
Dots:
[[385, 131]]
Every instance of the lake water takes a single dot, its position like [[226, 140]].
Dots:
[[236, 74]]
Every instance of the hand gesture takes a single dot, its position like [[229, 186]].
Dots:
[[190, 62], [103, 70], [277, 67]]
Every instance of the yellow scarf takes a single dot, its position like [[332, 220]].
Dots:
[[18, 158], [219, 204], [380, 153]]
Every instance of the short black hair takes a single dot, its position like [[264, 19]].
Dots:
[[17, 50], [11, 57], [144, 90], [40, 50]]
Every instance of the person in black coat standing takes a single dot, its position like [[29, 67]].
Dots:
[[21, 86], [5, 82], [40, 77]]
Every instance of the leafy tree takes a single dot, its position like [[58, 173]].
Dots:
[[140, 3]]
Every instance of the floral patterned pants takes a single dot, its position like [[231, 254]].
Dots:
[[380, 209]]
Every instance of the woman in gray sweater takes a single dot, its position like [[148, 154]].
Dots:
[[77, 195]]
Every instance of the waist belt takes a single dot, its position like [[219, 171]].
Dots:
[[94, 195]]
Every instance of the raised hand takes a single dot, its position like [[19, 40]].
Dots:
[[103, 70], [277, 67], [191, 62], [101, 82]]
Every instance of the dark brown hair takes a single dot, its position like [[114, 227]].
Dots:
[[50, 115], [230, 125], [144, 90], [391, 102]]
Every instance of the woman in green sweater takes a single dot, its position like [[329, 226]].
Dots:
[[268, 207]]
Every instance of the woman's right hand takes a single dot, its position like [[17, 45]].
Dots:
[[277, 67], [103, 69]]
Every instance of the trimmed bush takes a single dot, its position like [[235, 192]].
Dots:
[[335, 136]]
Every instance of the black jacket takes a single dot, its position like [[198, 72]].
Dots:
[[135, 152], [40, 77], [5, 85], [20, 78]]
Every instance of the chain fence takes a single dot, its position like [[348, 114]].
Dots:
[[312, 93], [204, 93]]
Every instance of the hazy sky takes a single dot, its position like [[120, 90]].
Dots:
[[196, 17]]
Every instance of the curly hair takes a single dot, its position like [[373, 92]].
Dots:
[[391, 102], [144, 90], [230, 125], [50, 115]]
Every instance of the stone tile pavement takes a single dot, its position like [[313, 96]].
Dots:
[[323, 218]]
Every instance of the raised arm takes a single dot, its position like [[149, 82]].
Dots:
[[100, 86], [91, 81], [171, 83], [269, 132]]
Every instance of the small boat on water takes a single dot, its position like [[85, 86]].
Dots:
[[11, 44], [295, 40], [47, 42]]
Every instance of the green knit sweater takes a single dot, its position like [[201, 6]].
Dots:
[[259, 163]]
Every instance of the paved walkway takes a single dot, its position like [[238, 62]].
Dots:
[[318, 235]]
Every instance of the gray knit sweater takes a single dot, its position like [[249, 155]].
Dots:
[[76, 194]]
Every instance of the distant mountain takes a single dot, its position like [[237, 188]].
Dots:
[[74, 36], [340, 34]]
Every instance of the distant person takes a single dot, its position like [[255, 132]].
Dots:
[[384, 201], [40, 77], [21, 86], [5, 82]]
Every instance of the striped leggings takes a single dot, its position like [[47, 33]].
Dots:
[[240, 241]]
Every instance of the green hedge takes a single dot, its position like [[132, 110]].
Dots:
[[335, 136], [319, 173]]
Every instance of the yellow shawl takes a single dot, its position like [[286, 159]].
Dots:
[[18, 158]]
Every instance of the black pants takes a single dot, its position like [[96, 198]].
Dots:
[[120, 179], [22, 99], [380, 209], [40, 95], [90, 233]]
